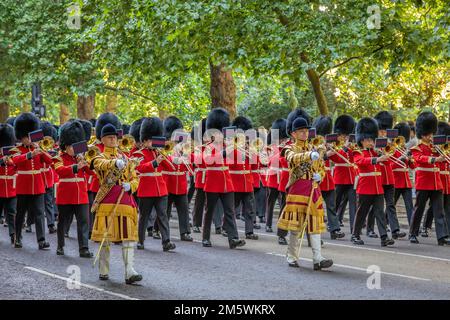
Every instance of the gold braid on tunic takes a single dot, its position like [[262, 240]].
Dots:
[[298, 156]]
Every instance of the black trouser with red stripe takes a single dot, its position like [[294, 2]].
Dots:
[[272, 197], [34, 205], [181, 203], [437, 207], [366, 203], [248, 202], [229, 221], [345, 193], [390, 212], [66, 213]]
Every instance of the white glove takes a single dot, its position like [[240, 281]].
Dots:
[[120, 164], [317, 177], [315, 155], [177, 160], [126, 186]]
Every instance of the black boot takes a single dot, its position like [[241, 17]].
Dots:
[[387, 242], [323, 264], [251, 236], [196, 229], [60, 251], [357, 240], [51, 229], [219, 230], [206, 243], [12, 237], [337, 234], [140, 246], [372, 234], [234, 243], [413, 239], [282, 241], [444, 242], [169, 246], [85, 253], [398, 234], [269, 229], [43, 245], [186, 237]]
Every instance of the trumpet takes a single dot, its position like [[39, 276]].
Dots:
[[47, 143], [389, 150], [444, 151], [257, 144], [126, 143], [93, 151], [168, 148], [318, 141]]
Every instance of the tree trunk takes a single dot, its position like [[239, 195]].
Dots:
[[64, 114], [4, 111], [85, 107], [313, 77], [26, 107], [111, 102], [162, 114], [223, 89]]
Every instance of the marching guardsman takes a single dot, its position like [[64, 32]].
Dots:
[[30, 185], [152, 190], [304, 204], [386, 121], [94, 185], [370, 184], [239, 163], [324, 126], [403, 183], [274, 175], [49, 179], [344, 172], [218, 183], [443, 129], [176, 178], [71, 196], [200, 175], [259, 171], [428, 179], [116, 213], [8, 199]]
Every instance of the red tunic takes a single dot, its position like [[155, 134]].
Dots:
[[94, 184], [427, 172], [401, 175], [327, 183], [240, 171], [445, 176], [151, 181], [200, 168], [8, 181], [369, 172], [343, 173], [278, 171], [176, 178], [217, 177], [30, 179], [72, 187]]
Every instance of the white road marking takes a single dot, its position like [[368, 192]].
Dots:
[[357, 268], [55, 276], [364, 248]]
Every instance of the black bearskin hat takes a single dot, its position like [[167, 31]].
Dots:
[[25, 123], [49, 130], [280, 125], [151, 127], [126, 128], [71, 132], [426, 124], [135, 129], [196, 130], [218, 118], [242, 123], [171, 124], [344, 124], [404, 130], [443, 128], [367, 128], [385, 120], [103, 120], [323, 125], [7, 136], [87, 127]]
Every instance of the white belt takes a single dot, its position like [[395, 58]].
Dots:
[[217, 168], [72, 180], [199, 170], [45, 169], [427, 169], [30, 172], [370, 174], [259, 171], [151, 174], [327, 169], [174, 173], [343, 165], [445, 172], [7, 177], [278, 169], [240, 172], [400, 170]]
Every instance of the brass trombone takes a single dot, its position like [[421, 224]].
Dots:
[[47, 143], [93, 151], [126, 143]]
